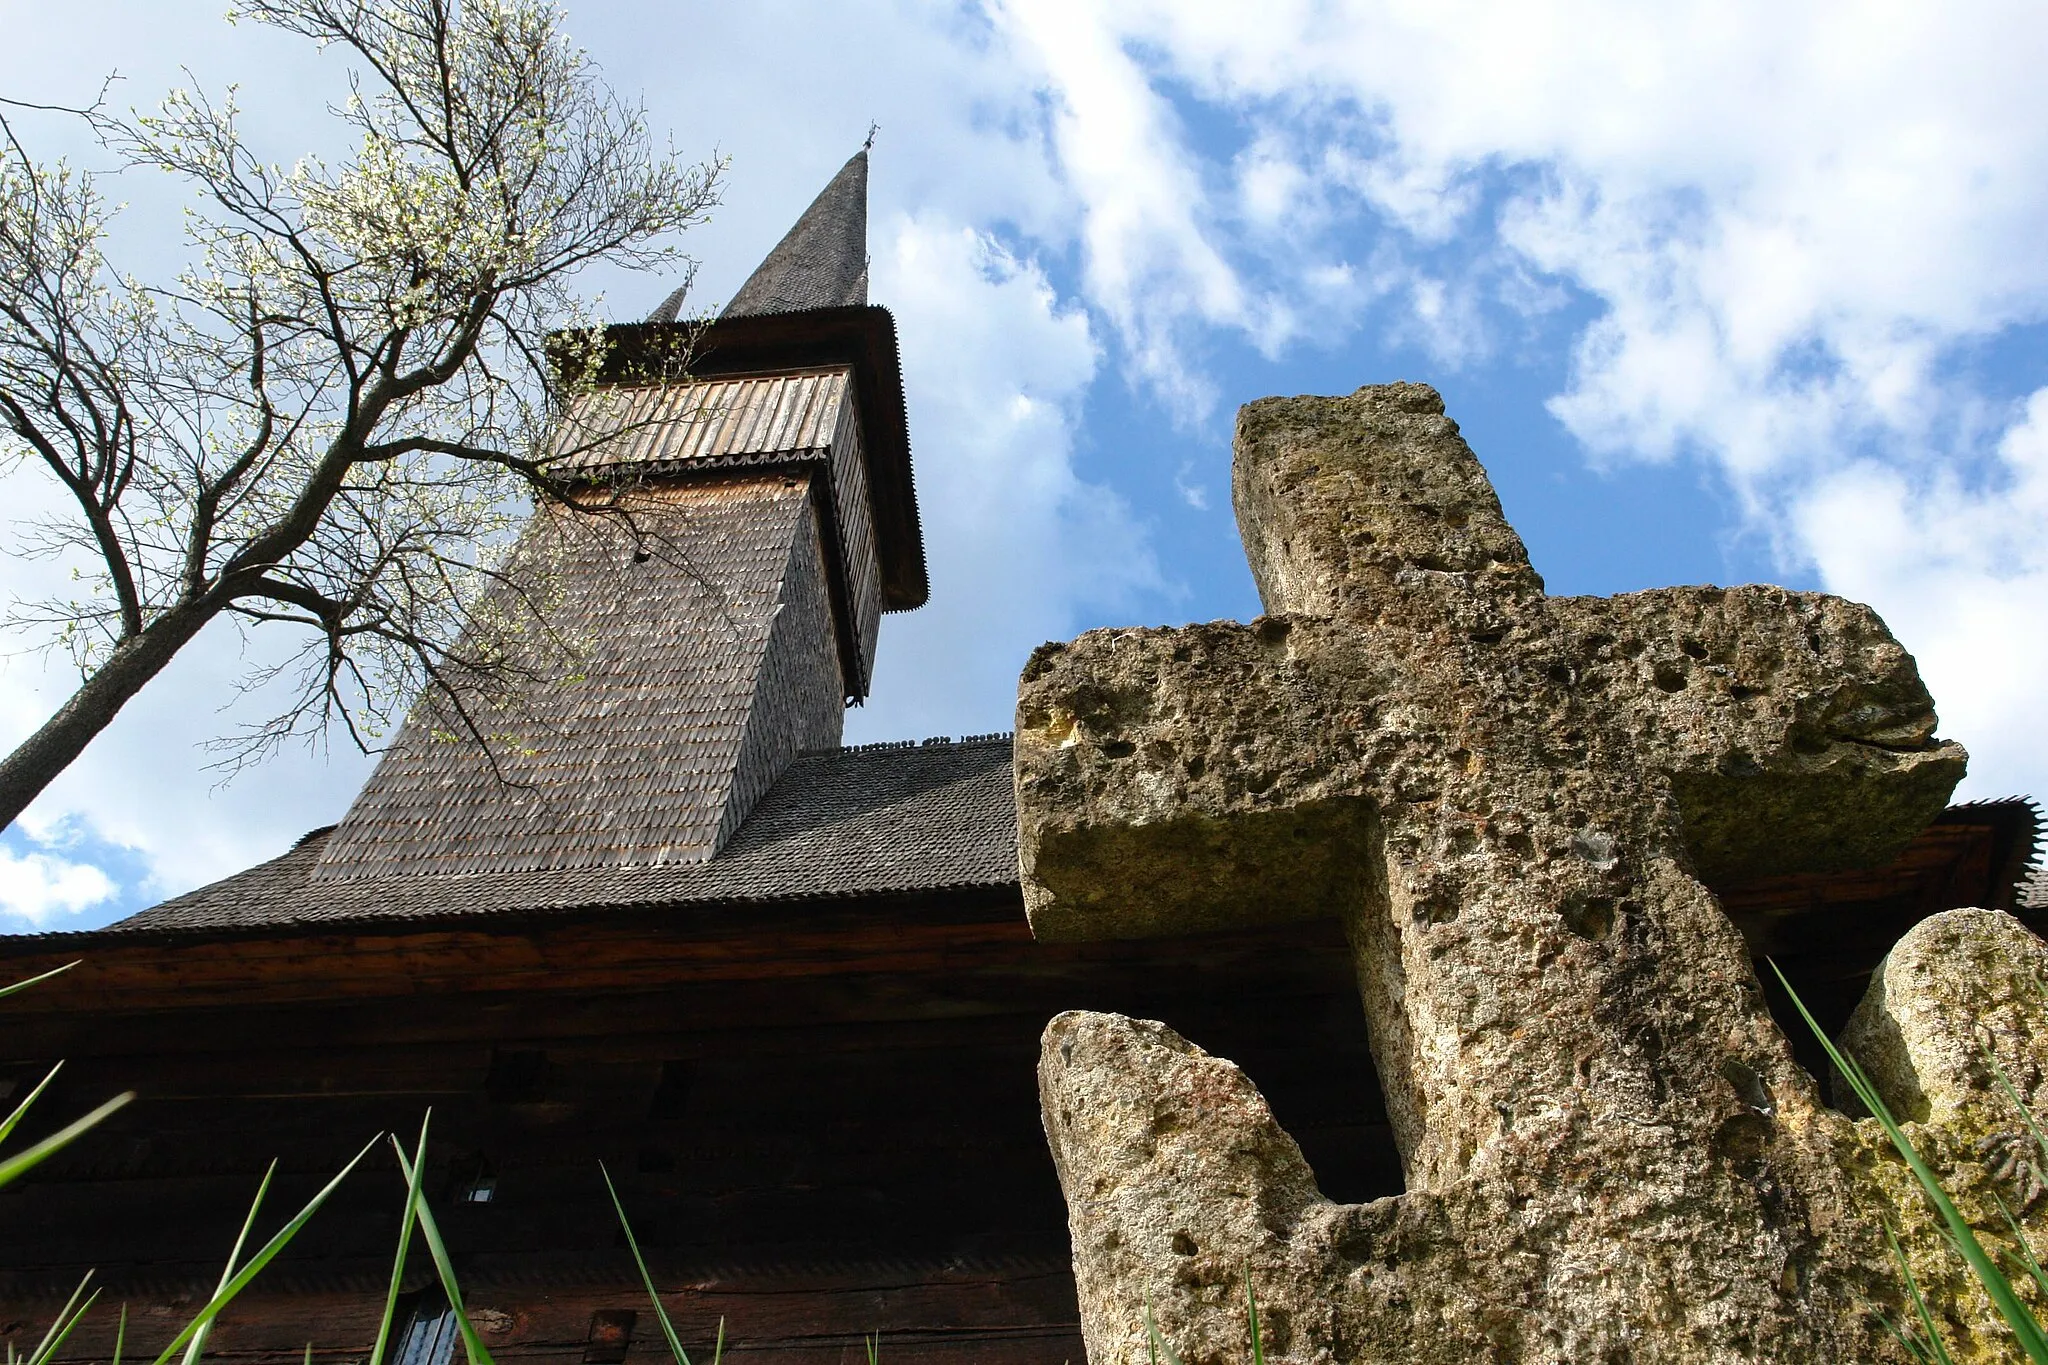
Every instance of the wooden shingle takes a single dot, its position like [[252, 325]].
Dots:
[[625, 749]]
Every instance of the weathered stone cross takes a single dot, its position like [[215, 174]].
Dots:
[[1511, 799]]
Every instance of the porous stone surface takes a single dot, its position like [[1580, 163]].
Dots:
[[1179, 1184], [1508, 797], [1953, 1031]]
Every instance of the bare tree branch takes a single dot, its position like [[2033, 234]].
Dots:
[[333, 419]]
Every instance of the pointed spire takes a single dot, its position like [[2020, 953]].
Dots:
[[821, 263]]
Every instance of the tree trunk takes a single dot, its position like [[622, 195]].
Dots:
[[37, 761]]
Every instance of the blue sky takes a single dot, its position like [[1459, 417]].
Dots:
[[1718, 291]]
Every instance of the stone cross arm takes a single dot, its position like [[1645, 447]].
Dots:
[[1221, 774]]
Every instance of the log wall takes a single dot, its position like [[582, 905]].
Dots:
[[823, 1122]]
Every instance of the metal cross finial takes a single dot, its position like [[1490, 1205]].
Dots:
[[873, 128]]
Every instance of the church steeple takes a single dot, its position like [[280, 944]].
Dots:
[[770, 494], [821, 262]]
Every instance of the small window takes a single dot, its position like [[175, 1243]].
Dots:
[[430, 1335], [471, 1180]]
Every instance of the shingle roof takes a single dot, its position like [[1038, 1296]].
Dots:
[[872, 820], [822, 262], [875, 820], [2018, 858], [638, 354], [632, 758]]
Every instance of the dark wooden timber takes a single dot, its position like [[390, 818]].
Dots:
[[823, 1118]]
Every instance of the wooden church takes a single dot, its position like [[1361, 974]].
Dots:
[[783, 989]]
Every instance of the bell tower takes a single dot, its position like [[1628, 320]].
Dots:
[[771, 521]]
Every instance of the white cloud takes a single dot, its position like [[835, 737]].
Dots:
[[1148, 260], [1796, 226], [1736, 182], [40, 887], [1962, 573], [1018, 545]]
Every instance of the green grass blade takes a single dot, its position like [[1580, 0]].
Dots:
[[20, 1164], [21, 1110], [2026, 1253], [874, 1345], [1911, 1344], [668, 1330], [1155, 1343], [1251, 1308], [718, 1350], [1937, 1348], [120, 1336], [2026, 1114], [61, 1329], [6, 991], [412, 1204], [2025, 1329], [193, 1351], [263, 1257], [431, 1235], [56, 1324]]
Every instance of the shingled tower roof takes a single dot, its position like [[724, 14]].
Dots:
[[822, 262], [720, 632]]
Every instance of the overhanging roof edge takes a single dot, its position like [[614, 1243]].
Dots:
[[863, 337]]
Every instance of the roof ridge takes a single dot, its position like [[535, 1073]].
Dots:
[[933, 742]]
